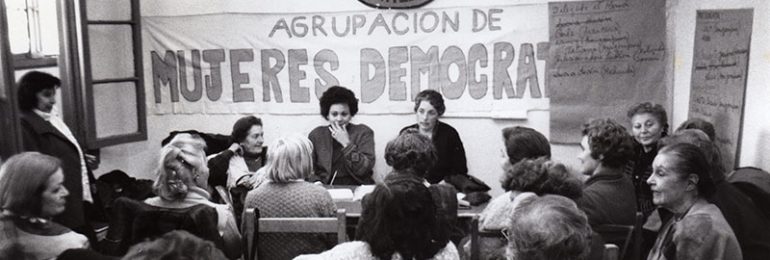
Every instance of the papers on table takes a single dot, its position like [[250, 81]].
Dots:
[[361, 191], [346, 194], [461, 202], [341, 194]]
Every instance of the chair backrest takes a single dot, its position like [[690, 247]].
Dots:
[[476, 236], [627, 237], [619, 235], [222, 192], [136, 221], [755, 183], [252, 225], [611, 252]]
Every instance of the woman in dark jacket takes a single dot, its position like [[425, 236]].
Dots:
[[429, 106], [45, 132], [343, 152], [649, 124]]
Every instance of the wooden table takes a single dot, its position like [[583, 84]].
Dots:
[[353, 208]]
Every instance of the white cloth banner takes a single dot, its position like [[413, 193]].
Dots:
[[486, 61]]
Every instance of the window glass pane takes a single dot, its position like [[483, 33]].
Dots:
[[111, 51], [18, 33], [113, 10], [115, 109], [49, 30]]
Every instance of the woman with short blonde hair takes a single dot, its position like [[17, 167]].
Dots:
[[290, 159], [285, 193]]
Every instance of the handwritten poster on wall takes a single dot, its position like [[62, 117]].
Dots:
[[605, 56], [720, 66], [482, 59]]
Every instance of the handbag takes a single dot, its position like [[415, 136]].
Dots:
[[467, 183], [475, 190]]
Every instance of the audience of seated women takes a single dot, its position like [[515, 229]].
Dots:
[[608, 195], [744, 216], [649, 123], [32, 192], [285, 193], [681, 182], [398, 221], [428, 107], [549, 227], [182, 182], [343, 152], [525, 179]]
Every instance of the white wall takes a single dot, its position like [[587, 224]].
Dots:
[[481, 137], [755, 145]]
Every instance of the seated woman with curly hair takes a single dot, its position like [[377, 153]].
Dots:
[[343, 152], [520, 143], [649, 123], [398, 222], [608, 196], [411, 153], [524, 180]]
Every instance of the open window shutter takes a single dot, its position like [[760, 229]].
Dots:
[[113, 78], [10, 134]]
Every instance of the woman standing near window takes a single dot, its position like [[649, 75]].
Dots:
[[45, 132]]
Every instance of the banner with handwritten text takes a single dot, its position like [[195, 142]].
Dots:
[[486, 61], [720, 67], [605, 56]]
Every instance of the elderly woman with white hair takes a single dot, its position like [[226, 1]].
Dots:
[[182, 182], [285, 193]]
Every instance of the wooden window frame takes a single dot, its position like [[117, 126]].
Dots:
[[33, 58], [92, 141], [10, 139]]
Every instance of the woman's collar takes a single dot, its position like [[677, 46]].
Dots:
[[200, 192], [44, 115], [30, 219]]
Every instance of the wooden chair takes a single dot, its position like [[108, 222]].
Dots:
[[252, 225], [626, 237], [611, 252], [222, 192], [755, 183], [135, 221], [476, 236]]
